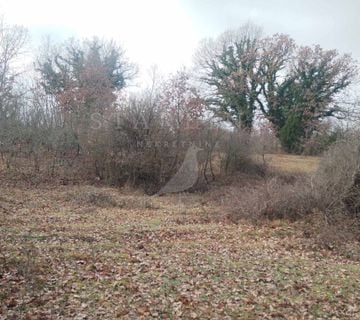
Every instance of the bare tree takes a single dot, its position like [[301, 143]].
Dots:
[[12, 42]]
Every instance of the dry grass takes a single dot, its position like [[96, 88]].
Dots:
[[293, 163], [160, 257]]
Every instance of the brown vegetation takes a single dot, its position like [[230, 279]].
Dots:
[[90, 252], [257, 233]]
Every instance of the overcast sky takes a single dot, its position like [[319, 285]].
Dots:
[[166, 32]]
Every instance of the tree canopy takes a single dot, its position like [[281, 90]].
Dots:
[[85, 74], [294, 87]]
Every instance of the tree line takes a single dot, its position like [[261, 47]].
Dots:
[[72, 115]]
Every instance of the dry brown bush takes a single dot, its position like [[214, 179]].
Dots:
[[333, 190], [334, 181], [273, 196], [288, 196]]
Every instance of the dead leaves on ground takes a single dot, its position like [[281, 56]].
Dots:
[[60, 261]]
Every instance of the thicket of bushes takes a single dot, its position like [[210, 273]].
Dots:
[[74, 123], [337, 182], [141, 142], [77, 124], [132, 146], [328, 198]]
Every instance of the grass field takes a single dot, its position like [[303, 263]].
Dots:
[[293, 163], [101, 253]]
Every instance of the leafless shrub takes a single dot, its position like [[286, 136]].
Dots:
[[264, 141], [278, 196], [322, 139], [288, 198], [237, 153], [142, 148], [335, 181]]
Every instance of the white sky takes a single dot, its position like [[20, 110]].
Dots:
[[167, 32]]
